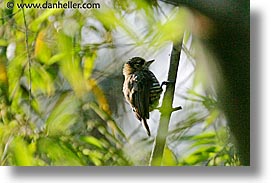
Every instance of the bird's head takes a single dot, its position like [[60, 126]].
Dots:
[[136, 64]]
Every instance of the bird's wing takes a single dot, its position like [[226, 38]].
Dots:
[[140, 94]]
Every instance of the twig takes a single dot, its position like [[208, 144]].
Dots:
[[29, 60], [167, 106]]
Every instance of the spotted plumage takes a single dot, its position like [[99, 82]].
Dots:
[[141, 88]]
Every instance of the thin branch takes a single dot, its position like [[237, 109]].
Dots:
[[167, 106], [29, 60]]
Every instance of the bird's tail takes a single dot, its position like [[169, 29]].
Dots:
[[144, 122]]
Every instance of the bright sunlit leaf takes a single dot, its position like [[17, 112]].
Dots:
[[169, 158], [88, 65], [92, 140], [23, 156], [42, 51], [70, 65]]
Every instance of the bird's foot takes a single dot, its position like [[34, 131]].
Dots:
[[166, 83]]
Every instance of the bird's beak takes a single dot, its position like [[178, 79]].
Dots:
[[148, 63]]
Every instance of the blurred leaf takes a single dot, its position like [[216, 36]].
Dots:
[[206, 135], [42, 51], [92, 140], [206, 142], [3, 73], [56, 58], [187, 35], [108, 18], [111, 19], [100, 96], [172, 29], [70, 65], [35, 25], [41, 80], [212, 117], [201, 155], [23, 155], [63, 115], [3, 42], [169, 158], [96, 157], [107, 118], [70, 27], [88, 65], [58, 152], [7, 129], [15, 68]]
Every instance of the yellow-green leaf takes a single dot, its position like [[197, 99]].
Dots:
[[169, 158]]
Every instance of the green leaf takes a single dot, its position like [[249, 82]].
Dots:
[[172, 29], [212, 117], [206, 135], [88, 65], [96, 157], [107, 17], [22, 155], [186, 37], [63, 115], [201, 155], [92, 140], [58, 152], [35, 25], [41, 80], [70, 65], [3, 42], [42, 51], [169, 158]]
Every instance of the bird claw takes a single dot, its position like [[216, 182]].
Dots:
[[166, 83]]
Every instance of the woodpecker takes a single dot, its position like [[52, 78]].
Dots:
[[141, 88]]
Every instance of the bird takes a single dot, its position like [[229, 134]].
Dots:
[[141, 89]]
